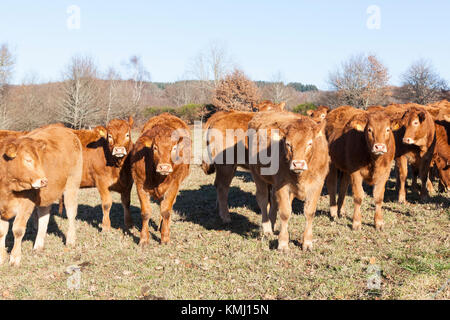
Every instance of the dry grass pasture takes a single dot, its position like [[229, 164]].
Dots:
[[208, 260]]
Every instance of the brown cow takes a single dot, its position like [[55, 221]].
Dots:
[[160, 163], [35, 170], [319, 114], [106, 165], [303, 165], [218, 146], [441, 157], [362, 147], [268, 105], [415, 144]]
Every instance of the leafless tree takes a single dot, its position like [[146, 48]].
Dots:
[[361, 81], [209, 67], [421, 83], [236, 92], [79, 103], [138, 78], [113, 79], [7, 62], [277, 91]]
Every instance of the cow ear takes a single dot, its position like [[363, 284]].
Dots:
[[421, 116], [358, 124], [396, 124], [11, 151], [101, 131], [281, 105], [130, 121], [309, 112], [146, 141]]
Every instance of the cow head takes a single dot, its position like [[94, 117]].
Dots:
[[118, 135], [23, 159], [377, 128], [168, 147], [268, 105], [319, 114], [443, 167], [298, 142], [416, 126]]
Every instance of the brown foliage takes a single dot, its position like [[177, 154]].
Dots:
[[236, 92]]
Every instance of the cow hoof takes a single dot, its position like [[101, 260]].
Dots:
[[356, 225], [307, 245], [143, 242], [106, 228], [379, 225], [267, 229], [226, 219], [38, 248], [283, 246], [14, 261]]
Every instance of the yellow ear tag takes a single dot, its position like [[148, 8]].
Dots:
[[359, 127], [102, 133], [395, 126], [147, 144], [11, 154]]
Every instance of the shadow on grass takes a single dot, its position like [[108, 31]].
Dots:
[[199, 206]]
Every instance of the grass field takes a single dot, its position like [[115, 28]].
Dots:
[[207, 260]]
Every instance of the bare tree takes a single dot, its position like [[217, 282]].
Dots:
[[7, 62], [421, 83], [139, 76], [112, 78], [78, 105], [209, 67], [277, 91], [236, 92], [361, 81]]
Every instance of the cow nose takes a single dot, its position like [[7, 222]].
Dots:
[[40, 183], [408, 141], [299, 165], [164, 168], [119, 151], [379, 147]]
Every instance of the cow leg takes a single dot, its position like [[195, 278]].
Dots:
[[273, 211], [310, 211], [71, 204], [402, 168], [166, 211], [19, 227], [224, 175], [345, 180], [332, 188], [378, 194], [284, 201], [61, 205], [105, 195], [126, 201], [146, 212], [358, 196], [43, 214], [414, 185], [4, 226], [423, 173], [262, 198]]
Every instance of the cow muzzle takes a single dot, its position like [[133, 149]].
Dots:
[[164, 169], [408, 141], [119, 152], [39, 183], [379, 148], [298, 166]]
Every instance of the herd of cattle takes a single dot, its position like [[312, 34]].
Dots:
[[51, 163]]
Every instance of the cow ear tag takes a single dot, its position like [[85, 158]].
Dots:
[[102, 133], [359, 127]]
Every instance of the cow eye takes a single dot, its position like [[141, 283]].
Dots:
[[309, 144], [288, 145], [416, 123], [388, 129], [174, 148], [322, 115], [369, 129]]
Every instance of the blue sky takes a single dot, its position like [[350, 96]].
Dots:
[[302, 39]]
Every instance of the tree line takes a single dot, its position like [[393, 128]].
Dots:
[[86, 96]]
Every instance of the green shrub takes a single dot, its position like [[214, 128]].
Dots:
[[302, 108]]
